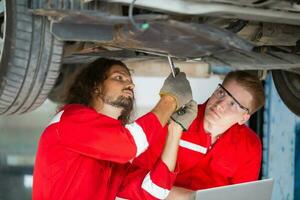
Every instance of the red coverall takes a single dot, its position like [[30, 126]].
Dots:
[[81, 151], [234, 158]]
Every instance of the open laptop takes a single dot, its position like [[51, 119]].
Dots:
[[256, 190]]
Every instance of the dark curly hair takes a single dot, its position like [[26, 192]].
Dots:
[[94, 74]]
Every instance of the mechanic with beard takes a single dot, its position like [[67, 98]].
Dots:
[[81, 154], [217, 149]]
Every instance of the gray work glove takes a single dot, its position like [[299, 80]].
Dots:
[[186, 115], [177, 87]]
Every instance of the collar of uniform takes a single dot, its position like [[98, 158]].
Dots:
[[196, 139]]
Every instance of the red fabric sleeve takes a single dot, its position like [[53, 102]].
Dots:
[[87, 132], [148, 159], [140, 184]]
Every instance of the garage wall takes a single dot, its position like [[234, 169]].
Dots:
[[147, 90], [281, 148]]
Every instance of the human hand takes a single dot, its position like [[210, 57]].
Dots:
[[185, 116], [180, 193], [177, 87]]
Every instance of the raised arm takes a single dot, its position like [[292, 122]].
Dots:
[[141, 184]]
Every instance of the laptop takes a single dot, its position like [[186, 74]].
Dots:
[[255, 190]]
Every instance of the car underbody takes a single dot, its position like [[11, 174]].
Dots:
[[261, 36]]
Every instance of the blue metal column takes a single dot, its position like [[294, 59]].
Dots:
[[297, 161], [279, 143]]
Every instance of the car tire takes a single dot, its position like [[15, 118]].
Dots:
[[30, 58], [288, 88]]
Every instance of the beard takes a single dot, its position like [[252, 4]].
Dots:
[[121, 102]]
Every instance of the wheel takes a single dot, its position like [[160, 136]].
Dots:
[[30, 57], [288, 87]]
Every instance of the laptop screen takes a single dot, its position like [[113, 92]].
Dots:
[[255, 190]]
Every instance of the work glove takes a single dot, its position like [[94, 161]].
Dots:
[[186, 115], [177, 87]]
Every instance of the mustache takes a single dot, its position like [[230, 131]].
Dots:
[[130, 90]]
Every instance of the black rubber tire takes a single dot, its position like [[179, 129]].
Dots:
[[31, 59], [288, 88]]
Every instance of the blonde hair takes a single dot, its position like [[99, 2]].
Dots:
[[252, 84]]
